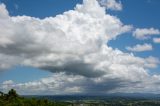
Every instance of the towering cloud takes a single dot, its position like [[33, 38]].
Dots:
[[58, 43], [73, 46]]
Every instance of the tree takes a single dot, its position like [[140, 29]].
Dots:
[[12, 94], [13, 99], [1, 93]]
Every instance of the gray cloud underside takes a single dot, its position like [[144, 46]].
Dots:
[[74, 47]]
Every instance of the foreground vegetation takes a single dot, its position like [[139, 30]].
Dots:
[[13, 99]]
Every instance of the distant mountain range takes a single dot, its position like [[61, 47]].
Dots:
[[112, 96]]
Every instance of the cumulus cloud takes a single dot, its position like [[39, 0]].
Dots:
[[145, 33], [59, 43], [156, 40], [111, 4], [73, 46], [61, 83], [140, 48]]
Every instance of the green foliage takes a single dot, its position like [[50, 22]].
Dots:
[[13, 99]]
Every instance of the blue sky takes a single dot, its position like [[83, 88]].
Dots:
[[43, 8], [142, 14]]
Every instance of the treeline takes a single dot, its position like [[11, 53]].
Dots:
[[13, 99]]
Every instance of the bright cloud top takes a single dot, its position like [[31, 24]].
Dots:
[[58, 43], [111, 4], [145, 33], [73, 46], [140, 48]]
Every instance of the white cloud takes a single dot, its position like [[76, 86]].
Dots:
[[156, 40], [140, 48], [111, 4], [152, 62], [8, 82], [151, 85], [145, 33], [52, 43], [73, 46], [4, 13]]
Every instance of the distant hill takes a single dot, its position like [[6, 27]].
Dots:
[[116, 99], [99, 97]]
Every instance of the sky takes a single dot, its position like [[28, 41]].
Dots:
[[59, 47]]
